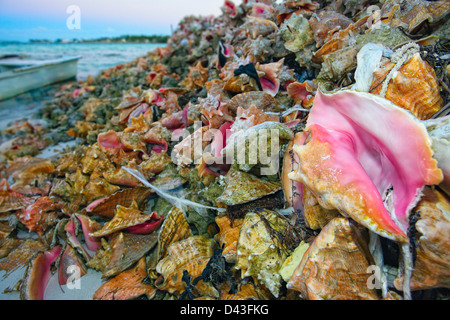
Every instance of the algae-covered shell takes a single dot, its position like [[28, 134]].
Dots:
[[260, 251], [242, 187], [257, 145], [296, 32]]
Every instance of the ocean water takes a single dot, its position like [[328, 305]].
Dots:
[[95, 56]]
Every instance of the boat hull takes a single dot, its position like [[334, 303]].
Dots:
[[22, 80]]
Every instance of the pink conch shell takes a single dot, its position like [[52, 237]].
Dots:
[[229, 8], [270, 81], [367, 158], [68, 264], [301, 93], [89, 225], [109, 140], [38, 274]]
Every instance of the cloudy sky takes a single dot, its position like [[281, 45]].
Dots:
[[47, 19]]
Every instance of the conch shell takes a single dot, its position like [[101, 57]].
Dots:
[[106, 206], [191, 254], [126, 285], [242, 187], [352, 163], [256, 27], [127, 249], [12, 200], [335, 265], [124, 218], [174, 228], [197, 77], [431, 267], [260, 252], [228, 236], [414, 87], [270, 81]]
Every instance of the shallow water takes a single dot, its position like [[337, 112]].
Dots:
[[95, 56]]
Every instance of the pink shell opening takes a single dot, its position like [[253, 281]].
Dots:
[[375, 149]]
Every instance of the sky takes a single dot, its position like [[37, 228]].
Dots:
[[22, 20]]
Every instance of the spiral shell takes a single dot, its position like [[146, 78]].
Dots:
[[260, 253], [191, 254], [335, 265], [414, 87]]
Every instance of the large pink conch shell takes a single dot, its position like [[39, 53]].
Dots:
[[367, 158]]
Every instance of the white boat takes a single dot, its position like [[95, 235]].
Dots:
[[20, 75]]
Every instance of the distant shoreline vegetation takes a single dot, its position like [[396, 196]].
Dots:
[[121, 39]]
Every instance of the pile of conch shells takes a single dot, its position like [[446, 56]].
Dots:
[[283, 150]]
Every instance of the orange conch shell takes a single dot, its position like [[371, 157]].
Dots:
[[335, 265], [197, 77], [107, 205], [123, 218], [126, 285], [432, 265], [245, 292], [174, 228], [40, 215], [126, 249], [21, 255], [414, 87], [261, 99], [316, 217], [228, 236], [12, 200], [191, 254]]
